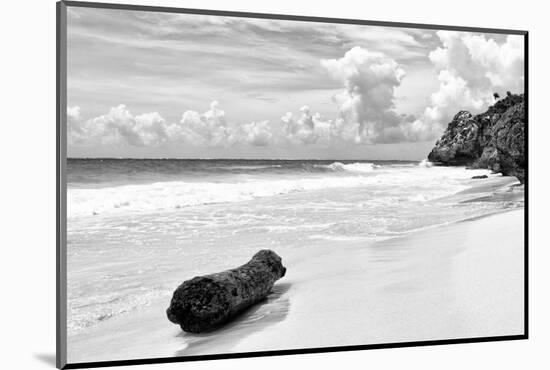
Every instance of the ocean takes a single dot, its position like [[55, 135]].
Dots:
[[136, 228]]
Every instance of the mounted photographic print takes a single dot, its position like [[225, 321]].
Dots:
[[238, 184]]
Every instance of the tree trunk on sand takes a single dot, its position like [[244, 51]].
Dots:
[[206, 301]]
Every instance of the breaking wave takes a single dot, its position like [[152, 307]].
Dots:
[[351, 167], [425, 163], [177, 194], [173, 195]]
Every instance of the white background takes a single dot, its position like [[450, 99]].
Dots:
[[27, 204]]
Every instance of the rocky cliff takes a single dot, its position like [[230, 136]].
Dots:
[[493, 139]]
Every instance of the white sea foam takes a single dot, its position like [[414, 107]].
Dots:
[[88, 310], [425, 163], [352, 167], [176, 194], [171, 195]]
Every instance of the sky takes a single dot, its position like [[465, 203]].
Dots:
[[160, 85]]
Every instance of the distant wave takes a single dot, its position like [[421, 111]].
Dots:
[[251, 167], [351, 167]]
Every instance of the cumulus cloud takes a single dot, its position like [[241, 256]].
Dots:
[[74, 128], [149, 129], [80, 131], [256, 133], [366, 109], [209, 128], [73, 114], [306, 128], [471, 67], [120, 126]]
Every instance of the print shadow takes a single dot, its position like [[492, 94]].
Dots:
[[273, 309], [46, 358]]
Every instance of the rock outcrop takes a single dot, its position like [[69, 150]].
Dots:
[[494, 139], [206, 301]]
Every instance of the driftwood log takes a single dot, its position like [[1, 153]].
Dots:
[[207, 301]]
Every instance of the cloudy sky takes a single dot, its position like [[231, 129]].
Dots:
[[144, 84]]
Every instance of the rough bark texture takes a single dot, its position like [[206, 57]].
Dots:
[[207, 301], [494, 139]]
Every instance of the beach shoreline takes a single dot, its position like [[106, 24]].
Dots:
[[460, 280]]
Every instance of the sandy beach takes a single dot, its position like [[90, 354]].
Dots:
[[455, 281]]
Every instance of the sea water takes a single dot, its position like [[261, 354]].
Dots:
[[136, 228]]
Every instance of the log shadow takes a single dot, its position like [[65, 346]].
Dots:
[[271, 310]]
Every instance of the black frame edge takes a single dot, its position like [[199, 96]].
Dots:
[[61, 108], [526, 191], [150, 361], [227, 13], [61, 225]]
